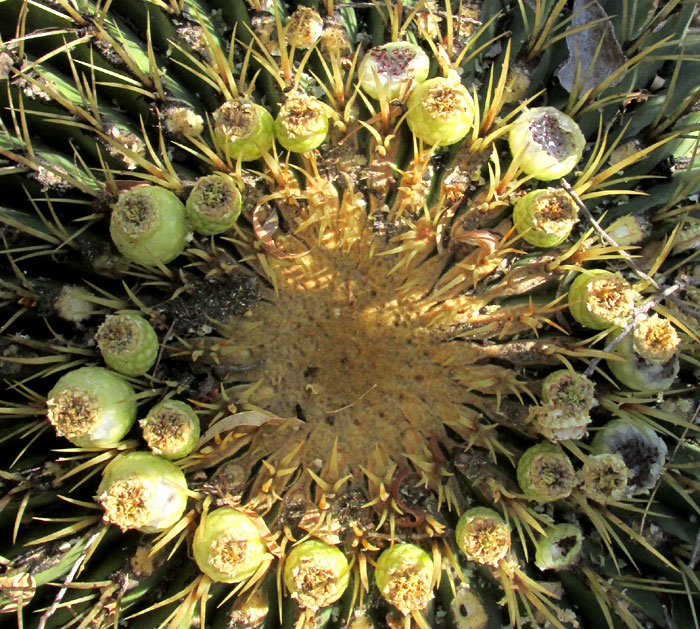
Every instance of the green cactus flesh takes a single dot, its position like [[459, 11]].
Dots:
[[323, 215]]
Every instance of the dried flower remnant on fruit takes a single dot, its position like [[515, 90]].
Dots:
[[385, 69], [560, 548], [171, 429], [302, 123], [655, 339], [142, 491], [228, 547], [557, 423], [545, 218], [650, 355], [265, 27], [92, 407], [243, 130], [570, 390], [334, 40], [304, 28], [483, 536], [545, 473], [404, 576], [599, 299], [642, 450], [214, 204], [440, 112], [128, 343], [316, 574], [567, 400], [148, 225], [548, 143], [603, 477], [128, 504]]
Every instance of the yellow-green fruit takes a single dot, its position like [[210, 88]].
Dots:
[[404, 576], [148, 225], [171, 429], [483, 536], [386, 68], [140, 490], [440, 112], [316, 574], [228, 547], [560, 548], [545, 218], [302, 123], [92, 407], [545, 473], [243, 130], [599, 299], [548, 142], [128, 343], [214, 204]]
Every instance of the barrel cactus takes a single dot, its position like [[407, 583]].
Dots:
[[350, 231]]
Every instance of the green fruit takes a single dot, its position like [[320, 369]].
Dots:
[[148, 225], [599, 299], [548, 142], [214, 204], [302, 124], [386, 68], [560, 549], [228, 547], [404, 577], [545, 218], [142, 491], [243, 130], [545, 473], [171, 429], [128, 343], [316, 574], [440, 112], [483, 536], [92, 407]]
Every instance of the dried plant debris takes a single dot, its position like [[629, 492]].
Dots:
[[594, 51]]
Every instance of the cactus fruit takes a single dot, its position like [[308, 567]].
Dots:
[[407, 309]]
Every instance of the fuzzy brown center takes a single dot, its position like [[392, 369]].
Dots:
[[554, 213], [486, 541], [443, 103], [409, 589], [316, 585], [119, 335], [135, 213], [73, 413], [165, 430], [610, 298], [128, 503], [230, 555], [236, 118], [655, 339], [301, 116]]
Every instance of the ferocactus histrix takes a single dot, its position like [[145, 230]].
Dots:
[[366, 247]]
